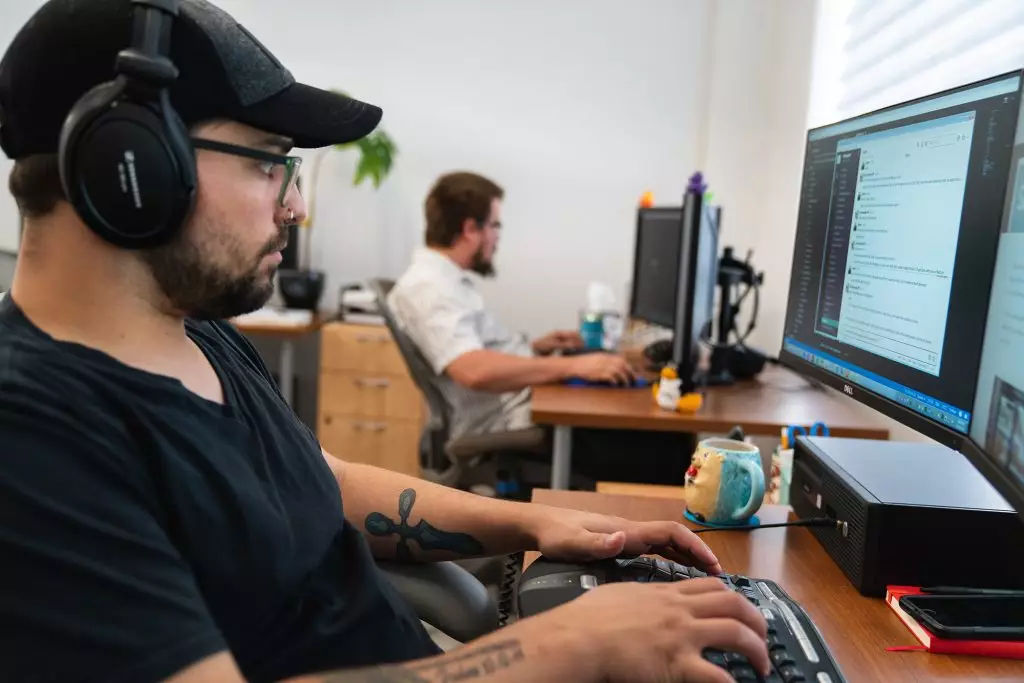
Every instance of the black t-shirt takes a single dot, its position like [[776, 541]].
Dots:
[[143, 528]]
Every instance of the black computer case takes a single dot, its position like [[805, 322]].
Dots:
[[916, 514]]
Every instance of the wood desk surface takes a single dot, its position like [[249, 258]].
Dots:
[[282, 328], [777, 398], [856, 629]]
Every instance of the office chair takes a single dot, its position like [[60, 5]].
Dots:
[[457, 462], [442, 594]]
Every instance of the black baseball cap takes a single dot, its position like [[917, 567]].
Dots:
[[70, 46]]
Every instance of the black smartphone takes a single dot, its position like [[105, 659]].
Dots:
[[968, 617]]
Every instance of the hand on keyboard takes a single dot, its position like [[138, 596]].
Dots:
[[601, 367], [654, 632]]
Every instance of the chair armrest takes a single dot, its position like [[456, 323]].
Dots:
[[446, 596], [531, 440]]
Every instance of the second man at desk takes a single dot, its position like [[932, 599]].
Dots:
[[484, 370]]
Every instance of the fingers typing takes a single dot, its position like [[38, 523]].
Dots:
[[731, 605], [732, 636]]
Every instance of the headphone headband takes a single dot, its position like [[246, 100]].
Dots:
[[149, 57]]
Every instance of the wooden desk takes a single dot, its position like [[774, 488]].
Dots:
[[765, 406], [857, 629], [285, 330]]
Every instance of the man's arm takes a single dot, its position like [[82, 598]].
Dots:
[[498, 372], [413, 520], [499, 658], [511, 656], [634, 632]]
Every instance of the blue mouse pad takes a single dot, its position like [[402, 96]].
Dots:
[[752, 521]]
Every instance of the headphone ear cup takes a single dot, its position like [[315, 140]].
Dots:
[[126, 168]]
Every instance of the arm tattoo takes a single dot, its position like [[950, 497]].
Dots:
[[427, 536], [477, 663]]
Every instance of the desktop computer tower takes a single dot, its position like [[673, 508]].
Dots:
[[915, 514]]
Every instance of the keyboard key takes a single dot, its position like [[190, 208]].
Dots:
[[716, 657], [774, 643], [781, 658], [662, 570], [791, 674], [741, 581], [735, 658], [743, 671], [772, 630]]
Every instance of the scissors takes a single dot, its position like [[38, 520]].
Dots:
[[817, 429]]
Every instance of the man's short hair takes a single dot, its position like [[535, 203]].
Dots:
[[455, 198], [35, 184]]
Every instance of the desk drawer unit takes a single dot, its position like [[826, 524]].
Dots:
[[369, 409]]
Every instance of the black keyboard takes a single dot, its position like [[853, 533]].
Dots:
[[797, 650]]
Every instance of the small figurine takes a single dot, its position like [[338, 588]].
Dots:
[[669, 389]]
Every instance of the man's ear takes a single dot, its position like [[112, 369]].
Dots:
[[469, 228]]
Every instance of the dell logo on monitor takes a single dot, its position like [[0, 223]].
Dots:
[[848, 390]]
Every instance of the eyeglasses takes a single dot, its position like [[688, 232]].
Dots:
[[276, 164]]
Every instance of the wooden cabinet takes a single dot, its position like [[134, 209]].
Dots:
[[369, 410]]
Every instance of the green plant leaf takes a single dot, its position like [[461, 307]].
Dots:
[[377, 153]]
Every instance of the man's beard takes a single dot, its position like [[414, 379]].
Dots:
[[199, 289], [481, 265]]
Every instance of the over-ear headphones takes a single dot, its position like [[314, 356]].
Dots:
[[126, 163]]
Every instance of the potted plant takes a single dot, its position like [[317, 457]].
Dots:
[[302, 288]]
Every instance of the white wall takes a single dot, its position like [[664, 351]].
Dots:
[[13, 14], [575, 107], [759, 93]]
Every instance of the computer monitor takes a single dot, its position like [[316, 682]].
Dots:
[[899, 220], [656, 265], [675, 270], [695, 303], [996, 444]]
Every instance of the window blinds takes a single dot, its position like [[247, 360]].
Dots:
[[896, 50]]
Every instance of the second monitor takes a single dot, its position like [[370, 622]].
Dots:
[[675, 270]]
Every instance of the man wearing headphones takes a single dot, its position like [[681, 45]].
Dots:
[[163, 513]]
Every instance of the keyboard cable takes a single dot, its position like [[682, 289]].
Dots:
[[813, 522]]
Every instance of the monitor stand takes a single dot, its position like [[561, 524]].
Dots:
[[719, 375]]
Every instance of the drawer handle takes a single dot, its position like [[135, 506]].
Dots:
[[380, 383], [369, 426], [365, 338]]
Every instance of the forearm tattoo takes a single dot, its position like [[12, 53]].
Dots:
[[475, 664], [426, 536]]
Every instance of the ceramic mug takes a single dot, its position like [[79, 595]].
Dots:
[[725, 483]]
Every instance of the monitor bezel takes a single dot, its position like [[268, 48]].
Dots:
[[910, 418], [671, 212]]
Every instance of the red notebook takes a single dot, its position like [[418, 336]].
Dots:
[[932, 643]]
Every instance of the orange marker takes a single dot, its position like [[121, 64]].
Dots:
[[647, 200]]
